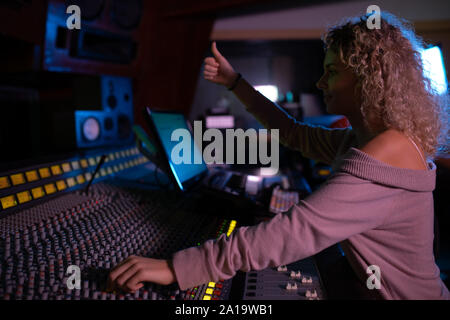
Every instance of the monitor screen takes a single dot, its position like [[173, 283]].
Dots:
[[165, 123]]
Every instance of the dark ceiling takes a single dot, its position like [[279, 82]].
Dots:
[[271, 6], [230, 8]]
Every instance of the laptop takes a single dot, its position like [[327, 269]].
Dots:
[[195, 174]]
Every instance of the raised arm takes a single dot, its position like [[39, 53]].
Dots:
[[313, 142]]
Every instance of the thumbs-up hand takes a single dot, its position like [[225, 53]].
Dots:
[[218, 69]]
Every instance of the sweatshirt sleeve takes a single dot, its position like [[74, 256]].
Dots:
[[314, 142], [344, 206]]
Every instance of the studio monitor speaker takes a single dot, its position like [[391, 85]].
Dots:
[[113, 124]]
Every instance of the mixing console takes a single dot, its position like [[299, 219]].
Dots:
[[48, 223], [296, 281], [95, 231], [282, 201]]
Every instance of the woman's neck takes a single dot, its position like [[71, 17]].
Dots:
[[363, 137], [363, 134]]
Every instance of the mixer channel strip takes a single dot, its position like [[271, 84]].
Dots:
[[296, 281], [95, 232], [23, 188]]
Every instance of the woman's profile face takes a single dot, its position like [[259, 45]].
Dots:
[[338, 85]]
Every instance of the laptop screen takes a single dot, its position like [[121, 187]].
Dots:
[[186, 171]]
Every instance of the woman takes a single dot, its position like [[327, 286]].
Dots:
[[378, 204]]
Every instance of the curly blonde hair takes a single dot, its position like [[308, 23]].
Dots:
[[395, 94]]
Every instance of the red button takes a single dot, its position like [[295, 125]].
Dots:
[[217, 292], [218, 285], [215, 298]]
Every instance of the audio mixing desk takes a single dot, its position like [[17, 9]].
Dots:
[[49, 222]]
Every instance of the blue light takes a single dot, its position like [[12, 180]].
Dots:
[[434, 69], [176, 176], [165, 124]]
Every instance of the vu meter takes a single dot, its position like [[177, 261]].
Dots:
[[91, 129]]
